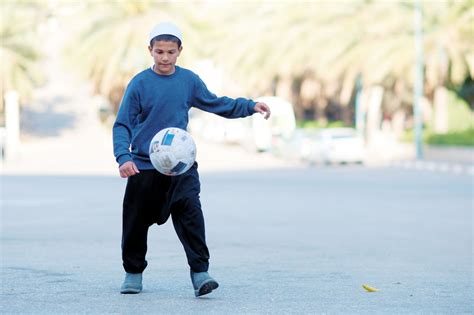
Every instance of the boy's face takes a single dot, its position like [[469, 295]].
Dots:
[[165, 55]]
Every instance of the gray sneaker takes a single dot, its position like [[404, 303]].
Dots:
[[203, 283], [132, 283]]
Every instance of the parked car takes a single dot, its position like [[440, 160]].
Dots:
[[337, 146], [300, 146], [279, 128]]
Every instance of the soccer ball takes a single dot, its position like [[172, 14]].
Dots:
[[172, 151]]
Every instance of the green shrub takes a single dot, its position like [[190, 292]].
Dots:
[[461, 138], [455, 138], [460, 116], [314, 124]]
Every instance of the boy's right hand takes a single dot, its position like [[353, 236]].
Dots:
[[128, 169]]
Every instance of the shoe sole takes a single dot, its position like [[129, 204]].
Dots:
[[130, 291], [206, 288]]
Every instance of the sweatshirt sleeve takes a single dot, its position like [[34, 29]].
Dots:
[[223, 106], [124, 123]]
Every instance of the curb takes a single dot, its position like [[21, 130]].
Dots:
[[435, 166]]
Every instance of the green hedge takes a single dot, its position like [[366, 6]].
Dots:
[[313, 124], [456, 138], [461, 138]]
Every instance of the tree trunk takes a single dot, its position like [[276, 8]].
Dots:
[[12, 125], [374, 112], [440, 123]]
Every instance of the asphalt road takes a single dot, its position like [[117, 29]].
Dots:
[[289, 241]]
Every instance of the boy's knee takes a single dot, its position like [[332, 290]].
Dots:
[[188, 202]]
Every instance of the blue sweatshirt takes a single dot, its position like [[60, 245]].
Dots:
[[152, 102]]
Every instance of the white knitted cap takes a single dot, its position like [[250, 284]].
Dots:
[[165, 28]]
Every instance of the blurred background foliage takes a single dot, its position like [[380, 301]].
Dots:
[[111, 45], [309, 52], [20, 47]]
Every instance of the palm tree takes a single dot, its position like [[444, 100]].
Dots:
[[313, 50], [18, 47], [112, 47], [333, 42]]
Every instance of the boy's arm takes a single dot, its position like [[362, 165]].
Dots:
[[124, 123], [225, 106]]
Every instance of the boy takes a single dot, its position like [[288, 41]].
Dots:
[[157, 98]]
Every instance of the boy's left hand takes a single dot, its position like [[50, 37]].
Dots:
[[263, 109]]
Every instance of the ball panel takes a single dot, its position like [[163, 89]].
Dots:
[[179, 167], [167, 138], [154, 146]]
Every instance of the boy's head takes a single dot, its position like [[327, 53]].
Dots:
[[165, 47]]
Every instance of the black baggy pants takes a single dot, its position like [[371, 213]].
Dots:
[[151, 197]]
